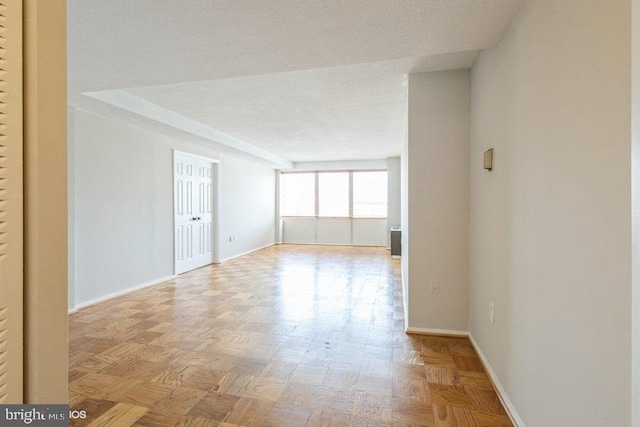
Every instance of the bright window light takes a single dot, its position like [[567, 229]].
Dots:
[[370, 194], [333, 194], [367, 197], [298, 194]]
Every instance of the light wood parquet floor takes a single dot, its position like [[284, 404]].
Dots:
[[287, 336]]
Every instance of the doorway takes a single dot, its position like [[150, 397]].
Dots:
[[195, 183]]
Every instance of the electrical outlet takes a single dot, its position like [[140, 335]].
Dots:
[[235, 237], [491, 313], [435, 287]]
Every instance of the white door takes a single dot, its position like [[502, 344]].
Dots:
[[193, 200]]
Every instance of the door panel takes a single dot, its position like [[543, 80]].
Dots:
[[193, 212]]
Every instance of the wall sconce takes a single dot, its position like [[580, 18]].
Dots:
[[488, 159]]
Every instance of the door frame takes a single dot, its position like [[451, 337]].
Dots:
[[215, 197]]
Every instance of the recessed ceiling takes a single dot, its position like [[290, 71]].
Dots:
[[303, 80]]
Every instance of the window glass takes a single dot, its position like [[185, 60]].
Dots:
[[370, 194], [297, 197], [333, 197]]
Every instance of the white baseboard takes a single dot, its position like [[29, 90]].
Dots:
[[511, 410], [429, 331], [119, 293], [247, 252]]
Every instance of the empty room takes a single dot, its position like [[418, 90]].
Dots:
[[321, 213]]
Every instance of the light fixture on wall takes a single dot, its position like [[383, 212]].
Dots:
[[488, 159]]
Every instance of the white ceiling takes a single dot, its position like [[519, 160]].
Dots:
[[284, 80]]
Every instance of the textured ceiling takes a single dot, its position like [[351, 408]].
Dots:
[[305, 80]]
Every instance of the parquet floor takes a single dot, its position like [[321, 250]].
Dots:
[[287, 336]]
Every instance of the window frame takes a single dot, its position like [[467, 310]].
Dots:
[[316, 174]]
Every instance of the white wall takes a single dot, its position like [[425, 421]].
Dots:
[[124, 205], [248, 203], [550, 225], [393, 195], [404, 218], [335, 231], [635, 184], [71, 208], [300, 230], [437, 201], [369, 231]]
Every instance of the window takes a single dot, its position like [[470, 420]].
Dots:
[[333, 194], [344, 194], [370, 194], [298, 194]]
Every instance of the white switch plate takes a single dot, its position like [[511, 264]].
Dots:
[[491, 312]]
